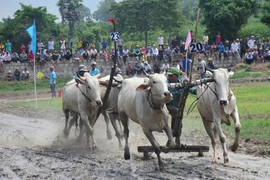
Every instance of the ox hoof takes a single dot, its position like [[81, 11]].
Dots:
[[226, 160], [234, 147], [127, 156]]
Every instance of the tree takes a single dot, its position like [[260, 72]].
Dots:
[[103, 11], [226, 16], [189, 8], [266, 12], [143, 16], [15, 29], [71, 13]]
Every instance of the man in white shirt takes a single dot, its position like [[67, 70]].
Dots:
[[93, 53], [234, 48], [40, 45], [63, 45], [154, 52], [50, 45], [160, 40], [125, 54], [251, 43]]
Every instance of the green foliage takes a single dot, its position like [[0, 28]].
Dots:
[[227, 16], [146, 16], [94, 30], [254, 27], [266, 12], [103, 12], [71, 13], [15, 29], [189, 9]]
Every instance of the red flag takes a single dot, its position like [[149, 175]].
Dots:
[[111, 20], [188, 41]]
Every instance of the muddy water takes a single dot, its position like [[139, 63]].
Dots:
[[36, 149]]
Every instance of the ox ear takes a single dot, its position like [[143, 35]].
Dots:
[[143, 87], [80, 80], [209, 73]]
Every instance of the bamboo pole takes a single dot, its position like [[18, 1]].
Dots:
[[177, 128]]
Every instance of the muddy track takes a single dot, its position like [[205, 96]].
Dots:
[[32, 147]]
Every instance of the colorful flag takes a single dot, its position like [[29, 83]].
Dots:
[[111, 20], [188, 41], [32, 32]]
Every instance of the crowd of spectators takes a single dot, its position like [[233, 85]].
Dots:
[[153, 58]]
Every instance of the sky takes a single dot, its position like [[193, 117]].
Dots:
[[10, 6]]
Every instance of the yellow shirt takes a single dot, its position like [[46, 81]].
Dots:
[[79, 44]]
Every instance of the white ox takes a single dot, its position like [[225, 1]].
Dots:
[[144, 103], [216, 103], [83, 100], [109, 110]]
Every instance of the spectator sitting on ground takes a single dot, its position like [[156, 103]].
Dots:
[[9, 76], [31, 58], [175, 64], [55, 56], [165, 66], [77, 56], [146, 67], [48, 56], [129, 70], [68, 54], [15, 57], [7, 57], [137, 52], [24, 57], [137, 68], [249, 58], [62, 56], [93, 53], [156, 67], [17, 75], [210, 64], [25, 75], [94, 71], [86, 54]]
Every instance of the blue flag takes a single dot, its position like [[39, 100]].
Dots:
[[32, 32]]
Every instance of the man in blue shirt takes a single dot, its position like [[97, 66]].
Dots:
[[52, 81], [221, 49], [94, 71], [104, 44]]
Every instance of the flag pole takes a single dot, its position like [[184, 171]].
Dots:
[[35, 84]]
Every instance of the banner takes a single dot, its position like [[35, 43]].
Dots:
[[188, 41], [32, 32]]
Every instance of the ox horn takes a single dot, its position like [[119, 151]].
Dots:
[[147, 75]]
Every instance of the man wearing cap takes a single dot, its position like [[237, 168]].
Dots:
[[52, 81], [210, 64], [173, 106], [94, 71]]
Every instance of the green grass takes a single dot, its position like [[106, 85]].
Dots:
[[247, 73], [41, 84], [55, 104]]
